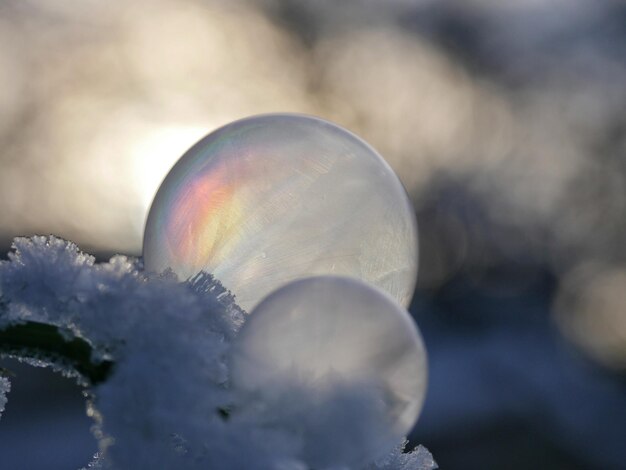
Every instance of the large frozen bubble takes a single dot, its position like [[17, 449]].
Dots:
[[274, 198], [333, 357]]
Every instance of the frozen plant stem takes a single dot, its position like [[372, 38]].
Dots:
[[38, 340], [164, 399], [35, 340]]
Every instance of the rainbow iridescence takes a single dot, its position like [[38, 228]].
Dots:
[[274, 198]]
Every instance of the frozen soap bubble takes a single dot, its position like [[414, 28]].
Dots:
[[336, 361], [274, 198]]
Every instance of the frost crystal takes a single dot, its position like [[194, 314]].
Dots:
[[5, 387], [418, 459], [166, 402]]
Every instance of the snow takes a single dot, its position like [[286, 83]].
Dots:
[[5, 387], [162, 406], [418, 459]]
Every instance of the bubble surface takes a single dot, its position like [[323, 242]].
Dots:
[[274, 198], [334, 337]]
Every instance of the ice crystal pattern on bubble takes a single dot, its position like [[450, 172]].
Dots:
[[247, 204]]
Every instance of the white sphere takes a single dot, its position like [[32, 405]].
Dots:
[[274, 198], [333, 343]]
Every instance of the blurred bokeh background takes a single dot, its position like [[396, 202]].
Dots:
[[506, 121]]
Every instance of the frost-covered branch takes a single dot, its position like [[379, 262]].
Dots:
[[5, 387], [36, 340], [169, 343]]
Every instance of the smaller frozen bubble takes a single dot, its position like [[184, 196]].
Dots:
[[338, 344]]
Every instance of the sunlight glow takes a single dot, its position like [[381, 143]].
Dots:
[[156, 152]]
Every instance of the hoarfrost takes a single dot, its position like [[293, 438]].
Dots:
[[418, 459], [96, 463], [167, 402], [5, 387]]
